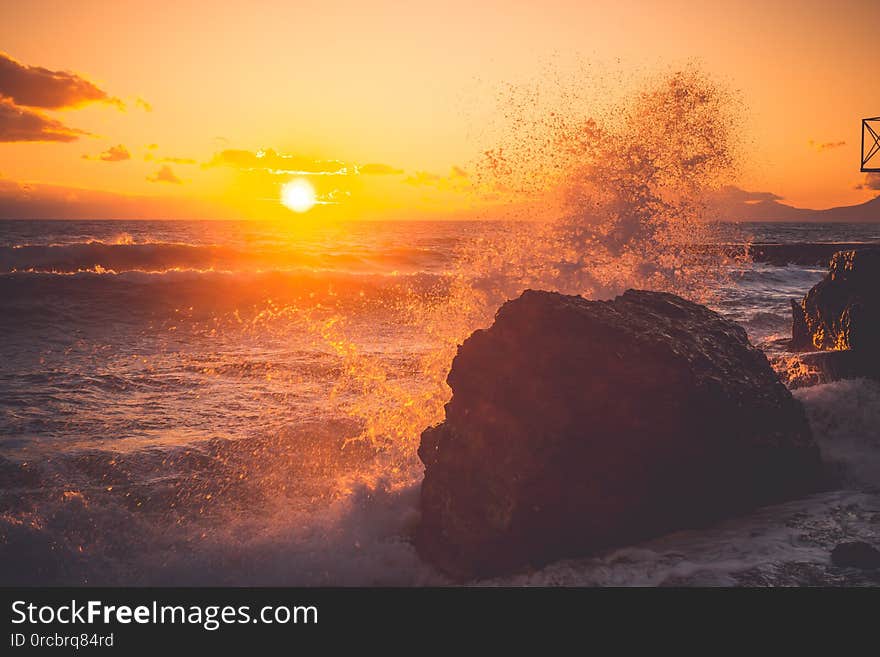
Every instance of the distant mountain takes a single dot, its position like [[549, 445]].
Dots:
[[734, 204]]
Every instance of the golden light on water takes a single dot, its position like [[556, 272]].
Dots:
[[298, 195]]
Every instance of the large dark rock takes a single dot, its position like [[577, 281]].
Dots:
[[842, 311], [856, 554], [576, 425]]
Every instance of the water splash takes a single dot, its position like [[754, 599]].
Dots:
[[626, 188], [618, 194], [614, 193]]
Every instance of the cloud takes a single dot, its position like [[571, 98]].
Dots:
[[272, 162], [21, 200], [165, 175], [826, 146], [871, 181], [376, 169], [116, 153], [179, 160], [457, 178], [34, 86], [142, 104], [733, 195], [19, 124], [149, 157], [23, 86], [420, 178]]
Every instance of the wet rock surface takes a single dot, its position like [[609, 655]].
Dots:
[[578, 425], [856, 554], [842, 311], [826, 366]]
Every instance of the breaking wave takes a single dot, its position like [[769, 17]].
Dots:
[[185, 515], [96, 256]]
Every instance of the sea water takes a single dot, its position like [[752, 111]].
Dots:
[[241, 402]]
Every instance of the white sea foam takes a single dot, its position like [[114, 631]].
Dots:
[[845, 416]]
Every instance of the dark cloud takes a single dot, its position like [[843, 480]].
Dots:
[[376, 169], [19, 124], [165, 175], [34, 86], [117, 153], [872, 182]]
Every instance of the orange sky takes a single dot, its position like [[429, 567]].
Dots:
[[392, 96]]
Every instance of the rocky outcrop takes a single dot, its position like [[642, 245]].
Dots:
[[813, 368], [577, 425], [856, 554], [840, 317], [842, 311]]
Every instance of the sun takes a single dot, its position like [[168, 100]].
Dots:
[[298, 195]]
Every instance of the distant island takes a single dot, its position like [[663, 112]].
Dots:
[[735, 204]]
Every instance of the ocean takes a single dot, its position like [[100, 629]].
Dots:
[[239, 403]]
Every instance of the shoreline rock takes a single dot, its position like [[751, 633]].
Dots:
[[579, 425], [842, 311], [819, 367], [838, 321], [856, 554]]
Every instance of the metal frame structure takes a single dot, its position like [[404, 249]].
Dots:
[[873, 133]]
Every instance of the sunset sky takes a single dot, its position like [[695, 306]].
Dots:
[[199, 109]]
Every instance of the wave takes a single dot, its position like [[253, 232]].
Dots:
[[122, 256], [327, 515], [845, 416], [803, 253], [52, 308], [96, 256]]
